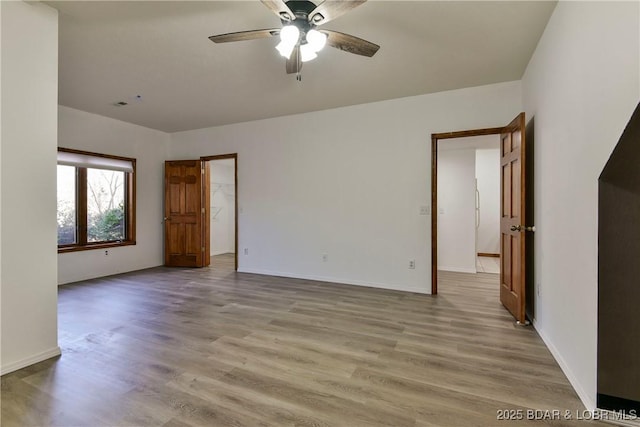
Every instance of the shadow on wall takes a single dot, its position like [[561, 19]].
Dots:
[[530, 283], [618, 273]]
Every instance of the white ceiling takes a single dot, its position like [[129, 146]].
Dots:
[[115, 50]]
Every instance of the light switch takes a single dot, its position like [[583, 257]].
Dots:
[[424, 210]]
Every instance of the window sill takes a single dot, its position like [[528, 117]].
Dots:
[[92, 246]]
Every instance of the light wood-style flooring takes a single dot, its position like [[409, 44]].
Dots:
[[212, 347]]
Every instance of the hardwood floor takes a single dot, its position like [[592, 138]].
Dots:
[[212, 347]]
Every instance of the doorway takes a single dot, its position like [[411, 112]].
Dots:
[[223, 210], [469, 205], [516, 173]]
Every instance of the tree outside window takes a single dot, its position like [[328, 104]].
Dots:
[[95, 204], [105, 205]]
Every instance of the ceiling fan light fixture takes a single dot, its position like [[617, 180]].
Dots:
[[290, 34], [316, 40], [300, 40], [307, 53], [285, 49]]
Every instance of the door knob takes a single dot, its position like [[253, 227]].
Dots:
[[520, 228], [167, 218]]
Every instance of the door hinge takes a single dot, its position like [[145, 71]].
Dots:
[[202, 210], [203, 249]]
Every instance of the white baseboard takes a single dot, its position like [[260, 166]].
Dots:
[[14, 366], [585, 397], [426, 290], [223, 252], [459, 269]]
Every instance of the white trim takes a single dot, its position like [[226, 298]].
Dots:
[[587, 401], [48, 354], [222, 252], [334, 280], [458, 269]]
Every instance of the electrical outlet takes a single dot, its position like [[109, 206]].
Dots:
[[325, 258], [106, 253], [538, 288], [412, 264], [246, 251], [424, 210]]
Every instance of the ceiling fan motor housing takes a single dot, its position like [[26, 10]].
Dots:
[[301, 9]]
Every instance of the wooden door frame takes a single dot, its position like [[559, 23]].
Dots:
[[435, 137], [233, 156]]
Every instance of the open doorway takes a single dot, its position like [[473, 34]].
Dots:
[[223, 209], [469, 204], [516, 209]]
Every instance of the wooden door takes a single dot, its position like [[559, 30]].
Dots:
[[186, 214], [513, 218]]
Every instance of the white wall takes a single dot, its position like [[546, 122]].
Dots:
[[346, 182], [91, 132], [28, 168], [582, 85], [488, 176], [222, 206], [456, 209]]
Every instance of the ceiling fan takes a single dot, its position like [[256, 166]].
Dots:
[[300, 41]]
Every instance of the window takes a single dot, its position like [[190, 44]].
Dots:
[[67, 205], [96, 200]]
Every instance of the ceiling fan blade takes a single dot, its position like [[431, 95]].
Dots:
[[245, 35], [351, 44], [294, 64], [331, 9], [280, 9]]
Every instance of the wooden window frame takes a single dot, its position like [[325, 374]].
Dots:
[[81, 207]]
